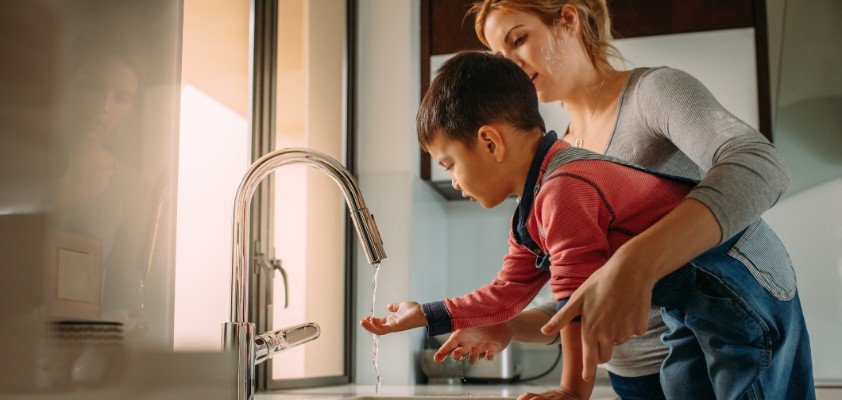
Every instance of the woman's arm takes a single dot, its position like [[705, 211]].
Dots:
[[744, 175]]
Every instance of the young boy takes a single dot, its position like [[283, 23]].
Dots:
[[731, 334]]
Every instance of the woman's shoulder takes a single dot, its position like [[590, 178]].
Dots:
[[662, 72], [656, 79], [651, 89]]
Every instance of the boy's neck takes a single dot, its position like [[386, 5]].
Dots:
[[530, 146]]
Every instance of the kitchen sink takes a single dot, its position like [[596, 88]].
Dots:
[[443, 397]]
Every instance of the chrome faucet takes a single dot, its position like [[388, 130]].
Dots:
[[238, 334]]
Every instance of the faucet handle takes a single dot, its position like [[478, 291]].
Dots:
[[270, 343]]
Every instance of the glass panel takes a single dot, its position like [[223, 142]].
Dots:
[[309, 208], [809, 98], [88, 154], [214, 154], [808, 132]]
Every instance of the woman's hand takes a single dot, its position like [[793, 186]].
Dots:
[[476, 343], [407, 315], [555, 394], [612, 309]]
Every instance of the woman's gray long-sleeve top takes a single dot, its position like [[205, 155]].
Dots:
[[669, 122]]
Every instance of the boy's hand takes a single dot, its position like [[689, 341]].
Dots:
[[476, 343], [407, 315]]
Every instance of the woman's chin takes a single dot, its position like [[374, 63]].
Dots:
[[544, 98]]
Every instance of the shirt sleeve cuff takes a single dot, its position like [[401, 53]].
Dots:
[[548, 307], [438, 320]]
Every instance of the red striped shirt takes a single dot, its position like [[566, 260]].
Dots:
[[584, 211]]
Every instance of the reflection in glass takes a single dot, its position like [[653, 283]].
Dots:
[[113, 164], [88, 149], [100, 194], [808, 128]]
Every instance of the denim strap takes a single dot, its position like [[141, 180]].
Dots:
[[530, 189]]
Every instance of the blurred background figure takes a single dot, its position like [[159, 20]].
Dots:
[[101, 195]]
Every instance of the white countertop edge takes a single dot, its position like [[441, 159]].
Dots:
[[601, 392]]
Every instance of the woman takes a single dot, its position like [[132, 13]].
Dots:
[[660, 118]]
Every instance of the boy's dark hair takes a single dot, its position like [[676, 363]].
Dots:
[[473, 89]]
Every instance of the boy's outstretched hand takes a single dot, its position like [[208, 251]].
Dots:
[[476, 343], [407, 315]]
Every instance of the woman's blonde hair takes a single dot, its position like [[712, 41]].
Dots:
[[593, 14]]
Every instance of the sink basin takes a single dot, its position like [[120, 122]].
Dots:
[[443, 397], [422, 392], [411, 392], [289, 396]]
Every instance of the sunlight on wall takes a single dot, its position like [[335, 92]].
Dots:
[[213, 155]]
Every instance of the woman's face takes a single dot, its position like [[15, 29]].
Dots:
[[104, 90], [546, 54]]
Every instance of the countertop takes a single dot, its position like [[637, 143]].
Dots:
[[442, 392], [365, 392]]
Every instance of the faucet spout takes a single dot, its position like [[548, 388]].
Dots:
[[364, 222], [238, 335]]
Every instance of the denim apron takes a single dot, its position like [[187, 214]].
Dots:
[[734, 319], [564, 156]]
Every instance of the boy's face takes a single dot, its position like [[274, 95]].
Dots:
[[473, 169]]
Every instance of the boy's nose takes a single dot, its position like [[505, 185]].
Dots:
[[454, 184]]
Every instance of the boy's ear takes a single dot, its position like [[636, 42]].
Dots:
[[490, 140]]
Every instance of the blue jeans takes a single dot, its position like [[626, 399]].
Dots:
[[729, 336], [647, 387]]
